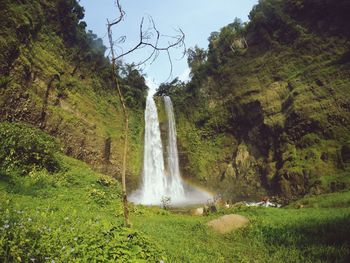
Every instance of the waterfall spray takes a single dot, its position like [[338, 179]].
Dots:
[[158, 182]]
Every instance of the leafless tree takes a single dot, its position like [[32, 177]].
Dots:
[[148, 38]]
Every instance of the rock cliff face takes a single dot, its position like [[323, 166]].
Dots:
[[274, 116]]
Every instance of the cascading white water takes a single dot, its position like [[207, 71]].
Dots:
[[156, 181], [175, 184]]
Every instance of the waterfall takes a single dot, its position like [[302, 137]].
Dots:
[[158, 182], [154, 183], [175, 184]]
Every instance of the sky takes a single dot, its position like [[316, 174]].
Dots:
[[196, 18]]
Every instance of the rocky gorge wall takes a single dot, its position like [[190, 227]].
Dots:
[[273, 116], [285, 139]]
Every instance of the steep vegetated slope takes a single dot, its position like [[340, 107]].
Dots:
[[54, 75], [267, 110], [54, 208]]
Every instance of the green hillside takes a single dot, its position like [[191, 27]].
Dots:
[[54, 75], [267, 108]]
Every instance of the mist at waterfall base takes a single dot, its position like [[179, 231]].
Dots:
[[159, 179]]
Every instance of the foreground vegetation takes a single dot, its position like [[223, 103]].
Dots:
[[69, 216], [56, 209], [77, 215], [318, 232]]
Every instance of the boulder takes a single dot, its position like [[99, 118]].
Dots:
[[197, 211], [228, 223]]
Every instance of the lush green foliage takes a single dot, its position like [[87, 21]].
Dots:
[[25, 148], [316, 231], [75, 215], [25, 21], [133, 86], [62, 220]]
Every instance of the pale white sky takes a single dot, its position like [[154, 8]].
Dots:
[[197, 18]]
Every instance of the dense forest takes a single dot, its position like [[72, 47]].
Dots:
[[266, 113]]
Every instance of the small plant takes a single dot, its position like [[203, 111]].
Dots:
[[166, 201], [107, 181], [24, 148], [99, 196]]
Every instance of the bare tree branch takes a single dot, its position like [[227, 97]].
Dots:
[[145, 36], [121, 15]]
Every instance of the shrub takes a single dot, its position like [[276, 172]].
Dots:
[[308, 140], [28, 239], [24, 148], [107, 181]]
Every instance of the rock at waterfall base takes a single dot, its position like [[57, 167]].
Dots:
[[228, 223], [197, 212]]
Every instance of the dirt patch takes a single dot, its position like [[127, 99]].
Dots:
[[228, 223]]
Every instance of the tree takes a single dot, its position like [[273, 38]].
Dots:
[[167, 88], [69, 13], [195, 58], [134, 86], [148, 38]]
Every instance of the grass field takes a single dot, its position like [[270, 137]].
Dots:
[[319, 232], [76, 215]]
